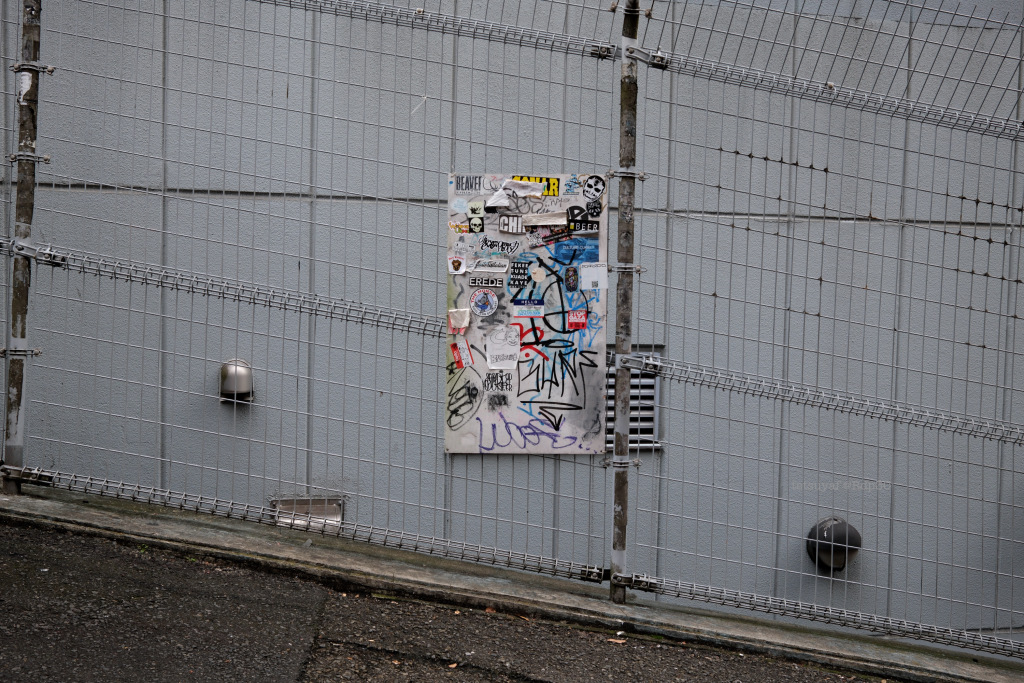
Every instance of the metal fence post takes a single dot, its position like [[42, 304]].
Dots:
[[624, 295], [17, 353]]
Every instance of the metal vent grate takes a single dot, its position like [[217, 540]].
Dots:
[[644, 389]]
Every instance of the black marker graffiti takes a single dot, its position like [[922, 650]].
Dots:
[[463, 396], [487, 244]]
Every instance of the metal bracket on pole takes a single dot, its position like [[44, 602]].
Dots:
[[29, 156], [627, 173], [42, 255], [629, 361], [609, 462], [20, 353], [622, 580], [31, 475], [655, 60], [626, 268], [33, 66]]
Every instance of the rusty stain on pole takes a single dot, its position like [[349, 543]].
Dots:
[[27, 87], [624, 295]]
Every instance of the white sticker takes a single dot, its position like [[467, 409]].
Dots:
[[24, 85], [594, 276], [491, 265], [503, 348], [458, 320], [456, 265], [511, 224], [461, 353], [518, 188], [553, 218], [497, 247], [527, 308]]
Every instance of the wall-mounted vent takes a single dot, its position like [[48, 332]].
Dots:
[[644, 392], [311, 512]]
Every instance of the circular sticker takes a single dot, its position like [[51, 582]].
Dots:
[[484, 302], [594, 187]]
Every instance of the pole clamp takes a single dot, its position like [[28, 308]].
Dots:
[[622, 580], [610, 462], [626, 268], [33, 66], [627, 173], [43, 255], [624, 360], [656, 59], [32, 475], [20, 353], [30, 156]]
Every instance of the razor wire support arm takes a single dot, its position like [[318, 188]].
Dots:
[[27, 88], [624, 297]]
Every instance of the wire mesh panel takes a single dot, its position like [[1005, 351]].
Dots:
[[267, 182], [826, 312], [833, 266]]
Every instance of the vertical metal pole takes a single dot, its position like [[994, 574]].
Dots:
[[27, 88], [624, 295]]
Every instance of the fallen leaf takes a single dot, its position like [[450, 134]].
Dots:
[[452, 665], [395, 661], [458, 612], [490, 610], [620, 641], [522, 617]]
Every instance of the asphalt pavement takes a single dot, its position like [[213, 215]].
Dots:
[[95, 590], [81, 608]]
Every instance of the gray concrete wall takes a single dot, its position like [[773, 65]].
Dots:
[[308, 153]]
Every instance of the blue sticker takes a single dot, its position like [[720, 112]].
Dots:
[[576, 250], [460, 205]]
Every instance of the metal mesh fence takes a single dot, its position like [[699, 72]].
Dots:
[[828, 298], [266, 181], [834, 279]]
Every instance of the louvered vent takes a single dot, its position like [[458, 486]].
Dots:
[[643, 411]]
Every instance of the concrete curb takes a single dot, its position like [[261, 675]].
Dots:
[[352, 566]]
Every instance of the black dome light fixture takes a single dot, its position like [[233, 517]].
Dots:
[[832, 543]]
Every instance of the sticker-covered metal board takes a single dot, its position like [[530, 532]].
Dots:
[[527, 312]]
